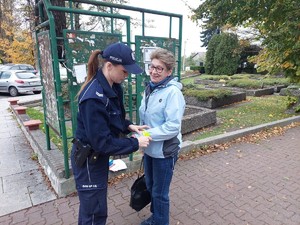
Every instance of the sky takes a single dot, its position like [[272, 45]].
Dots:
[[191, 32]]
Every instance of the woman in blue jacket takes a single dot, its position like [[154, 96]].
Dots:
[[100, 121], [162, 109]]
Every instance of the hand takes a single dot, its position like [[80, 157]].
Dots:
[[137, 128], [144, 141]]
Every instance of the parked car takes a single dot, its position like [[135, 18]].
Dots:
[[4, 65], [62, 72], [17, 82], [26, 67]]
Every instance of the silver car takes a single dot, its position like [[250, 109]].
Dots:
[[17, 82], [11, 66]]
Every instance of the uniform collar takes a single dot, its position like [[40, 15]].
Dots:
[[108, 91]]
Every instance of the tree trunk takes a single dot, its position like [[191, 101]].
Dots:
[[60, 24]]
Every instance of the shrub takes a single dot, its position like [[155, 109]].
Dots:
[[195, 68], [215, 77], [204, 95], [241, 76], [245, 83], [291, 101], [210, 54], [226, 57], [274, 81]]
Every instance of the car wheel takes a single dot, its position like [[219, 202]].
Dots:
[[37, 92], [13, 91]]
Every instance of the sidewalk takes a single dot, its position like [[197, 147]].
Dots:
[[22, 184], [254, 184]]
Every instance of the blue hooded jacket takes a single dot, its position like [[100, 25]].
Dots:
[[162, 110]]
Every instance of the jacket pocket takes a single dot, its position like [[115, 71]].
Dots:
[[171, 147]]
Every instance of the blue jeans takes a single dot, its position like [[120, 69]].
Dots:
[[158, 174]]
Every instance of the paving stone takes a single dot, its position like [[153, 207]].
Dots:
[[40, 193], [14, 200]]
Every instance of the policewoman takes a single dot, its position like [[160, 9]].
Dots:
[[100, 121]]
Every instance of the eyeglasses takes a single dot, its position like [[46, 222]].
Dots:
[[157, 68]]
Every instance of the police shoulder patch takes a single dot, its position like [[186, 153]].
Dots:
[[98, 94], [92, 91]]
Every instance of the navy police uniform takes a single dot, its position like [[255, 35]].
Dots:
[[100, 121]]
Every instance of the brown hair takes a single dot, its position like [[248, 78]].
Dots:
[[165, 56], [93, 66]]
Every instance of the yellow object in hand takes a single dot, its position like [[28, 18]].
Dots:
[[145, 133]]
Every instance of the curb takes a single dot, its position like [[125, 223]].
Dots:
[[222, 138]]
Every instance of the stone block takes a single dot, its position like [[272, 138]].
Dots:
[[13, 101], [215, 103], [20, 109], [196, 118], [32, 124]]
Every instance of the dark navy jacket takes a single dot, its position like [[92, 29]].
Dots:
[[100, 121]]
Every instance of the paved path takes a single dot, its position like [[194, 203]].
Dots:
[[248, 184], [22, 184]]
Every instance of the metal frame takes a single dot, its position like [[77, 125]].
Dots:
[[133, 87]]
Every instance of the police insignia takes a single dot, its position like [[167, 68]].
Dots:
[[98, 94]]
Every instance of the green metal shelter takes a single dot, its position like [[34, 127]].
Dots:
[[70, 49]]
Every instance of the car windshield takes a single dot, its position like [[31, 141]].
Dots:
[[5, 67], [26, 67], [25, 75]]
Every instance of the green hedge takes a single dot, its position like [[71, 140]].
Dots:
[[215, 77], [195, 68], [276, 81], [245, 83], [204, 95]]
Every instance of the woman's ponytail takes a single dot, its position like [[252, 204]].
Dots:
[[93, 65]]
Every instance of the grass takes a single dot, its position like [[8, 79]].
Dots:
[[276, 81], [257, 110], [34, 113], [241, 80], [187, 81], [245, 83], [214, 77]]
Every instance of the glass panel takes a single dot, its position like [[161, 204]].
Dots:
[[25, 75]]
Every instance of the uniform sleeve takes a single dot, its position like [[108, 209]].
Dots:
[[96, 123], [127, 123]]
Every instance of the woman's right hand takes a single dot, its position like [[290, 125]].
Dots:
[[144, 141]]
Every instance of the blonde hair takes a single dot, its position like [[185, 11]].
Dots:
[[165, 56]]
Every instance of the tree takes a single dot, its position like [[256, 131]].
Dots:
[[210, 54], [6, 27], [103, 24], [222, 54], [277, 22], [227, 55], [207, 33], [21, 49], [247, 52], [16, 44]]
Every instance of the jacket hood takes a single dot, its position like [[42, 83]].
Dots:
[[175, 82]]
